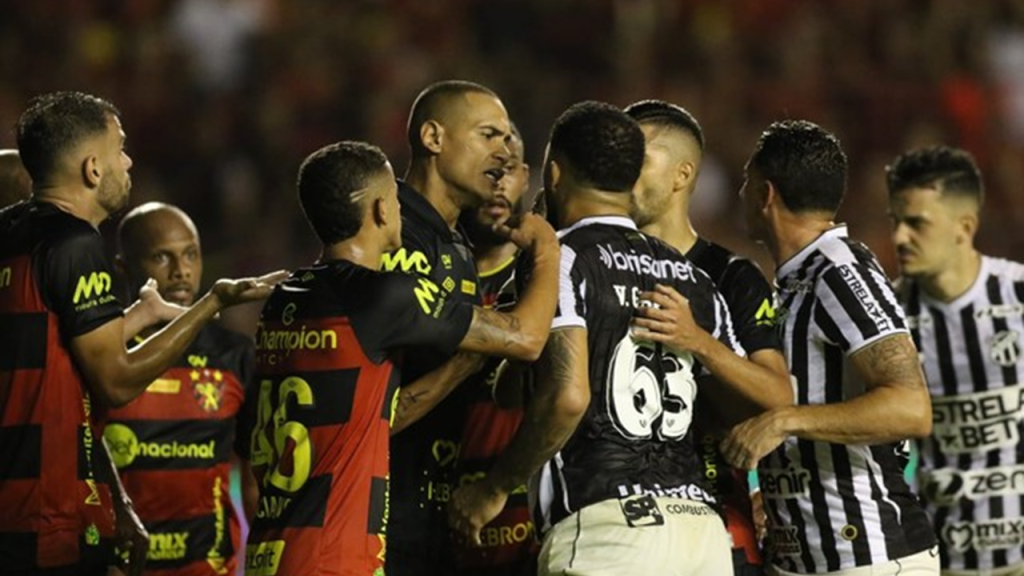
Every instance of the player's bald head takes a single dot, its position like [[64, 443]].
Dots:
[[144, 225], [15, 183], [441, 102]]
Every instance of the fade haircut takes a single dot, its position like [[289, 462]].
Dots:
[[431, 104], [805, 163], [55, 123], [950, 170], [602, 146], [668, 115], [329, 183]]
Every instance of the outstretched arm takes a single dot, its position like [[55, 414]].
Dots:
[[895, 406], [560, 400], [117, 376]]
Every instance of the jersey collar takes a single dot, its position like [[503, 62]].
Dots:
[[416, 204], [620, 221], [794, 262]]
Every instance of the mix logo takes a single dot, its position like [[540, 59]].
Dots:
[[1005, 349], [996, 535], [91, 286]]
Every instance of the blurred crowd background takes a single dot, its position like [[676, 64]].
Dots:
[[221, 99]]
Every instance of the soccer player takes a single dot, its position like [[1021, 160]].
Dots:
[[15, 184], [509, 546], [661, 200], [831, 467], [325, 351], [622, 488], [966, 315], [62, 349], [458, 137], [172, 444]]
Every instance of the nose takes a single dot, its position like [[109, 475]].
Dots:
[[180, 268], [899, 234]]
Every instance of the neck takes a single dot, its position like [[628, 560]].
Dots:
[[71, 202], [791, 233], [489, 258], [361, 249], [425, 180], [673, 227], [586, 202], [955, 279]]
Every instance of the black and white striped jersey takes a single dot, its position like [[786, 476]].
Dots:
[[635, 437], [833, 506], [972, 466]]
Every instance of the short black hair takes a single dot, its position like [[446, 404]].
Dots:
[[327, 180], [662, 113], [429, 105], [602, 146], [56, 122], [950, 170], [805, 163]]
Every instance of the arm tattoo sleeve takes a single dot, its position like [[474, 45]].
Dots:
[[492, 331], [892, 359]]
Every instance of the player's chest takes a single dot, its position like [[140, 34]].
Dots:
[[196, 389]]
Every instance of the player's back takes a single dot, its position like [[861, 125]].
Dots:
[[53, 478], [320, 443], [635, 437]]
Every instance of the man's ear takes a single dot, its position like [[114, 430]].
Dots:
[[771, 196], [685, 173], [432, 136], [92, 171], [555, 173], [379, 212], [968, 227]]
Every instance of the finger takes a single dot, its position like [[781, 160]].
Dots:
[[659, 299], [672, 294], [655, 313], [274, 277], [653, 325]]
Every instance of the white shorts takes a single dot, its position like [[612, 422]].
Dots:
[[640, 535], [921, 564]]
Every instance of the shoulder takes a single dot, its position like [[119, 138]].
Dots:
[[1009, 269]]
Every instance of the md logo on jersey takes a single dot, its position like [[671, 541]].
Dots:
[[92, 290], [1005, 348], [207, 388]]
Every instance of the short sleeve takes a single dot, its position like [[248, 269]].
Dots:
[[751, 304], [77, 279], [571, 309], [856, 307], [402, 310]]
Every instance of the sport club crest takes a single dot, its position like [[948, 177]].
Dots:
[[207, 388]]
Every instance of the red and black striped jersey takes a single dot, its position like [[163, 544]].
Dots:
[[172, 446], [55, 285], [509, 546], [320, 410]]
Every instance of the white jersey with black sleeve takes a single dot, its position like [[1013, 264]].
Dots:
[[635, 438], [834, 506]]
